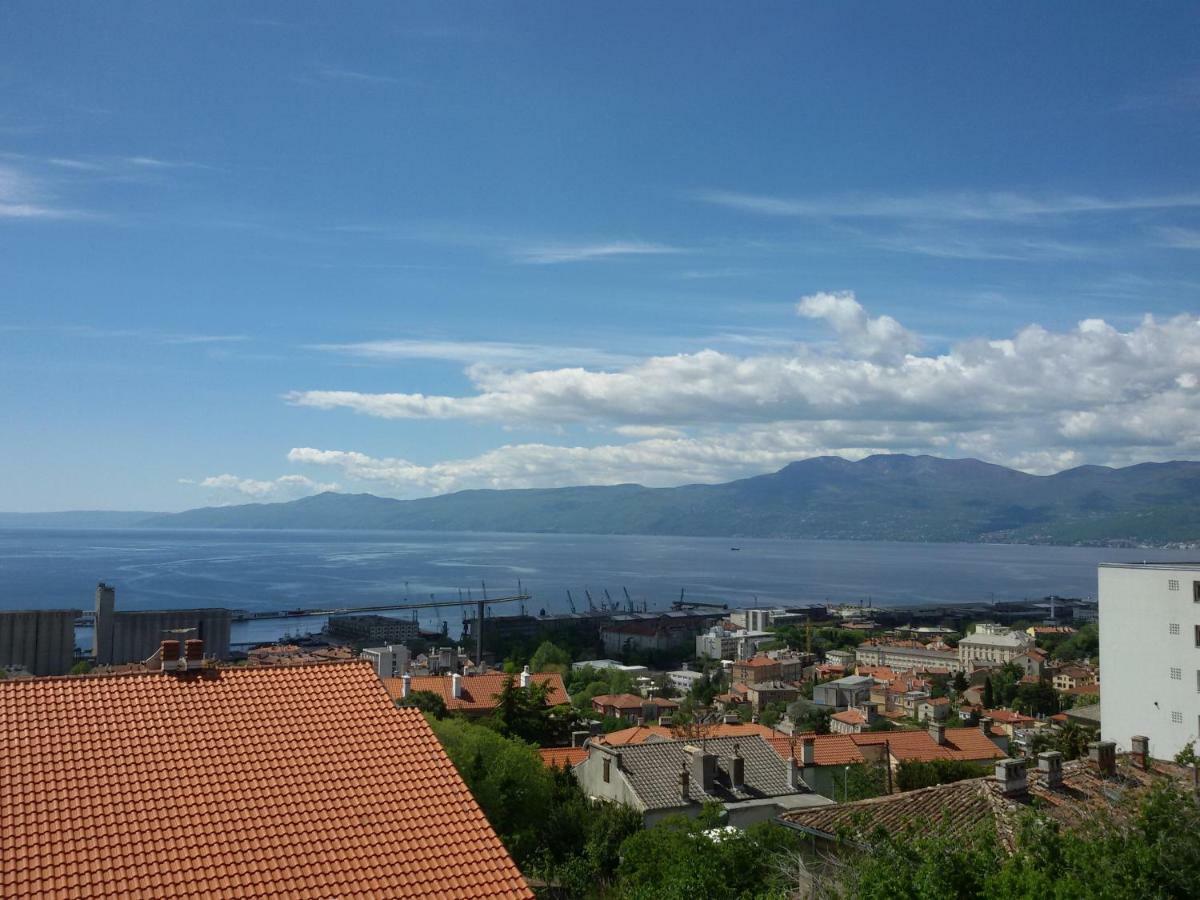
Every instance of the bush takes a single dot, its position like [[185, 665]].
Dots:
[[913, 774]]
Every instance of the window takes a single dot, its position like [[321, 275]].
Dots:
[[1198, 635], [1176, 674], [607, 763], [1173, 584], [1196, 591], [1177, 718], [1173, 628]]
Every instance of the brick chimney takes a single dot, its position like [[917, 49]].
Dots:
[[1011, 775], [456, 686], [737, 769], [405, 685], [168, 656], [193, 652], [1103, 756], [1140, 751], [525, 677], [937, 734], [1050, 768]]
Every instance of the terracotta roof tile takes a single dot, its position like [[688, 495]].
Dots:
[[479, 692], [238, 782], [562, 757]]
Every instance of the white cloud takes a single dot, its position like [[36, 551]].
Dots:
[[1038, 399], [1003, 206], [882, 339], [1181, 238], [549, 254], [494, 353], [23, 197], [286, 487]]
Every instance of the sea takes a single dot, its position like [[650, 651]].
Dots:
[[276, 570]]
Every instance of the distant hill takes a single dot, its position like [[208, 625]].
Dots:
[[885, 497], [75, 519]]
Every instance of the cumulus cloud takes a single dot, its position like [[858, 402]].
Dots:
[[1039, 399], [882, 339], [286, 487]]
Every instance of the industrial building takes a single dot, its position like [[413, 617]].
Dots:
[[38, 641], [134, 636], [386, 629]]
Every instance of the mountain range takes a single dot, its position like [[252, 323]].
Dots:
[[891, 497]]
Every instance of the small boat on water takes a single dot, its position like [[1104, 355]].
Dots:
[[735, 549]]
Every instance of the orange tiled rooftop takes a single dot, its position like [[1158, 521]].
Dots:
[[301, 781], [478, 692]]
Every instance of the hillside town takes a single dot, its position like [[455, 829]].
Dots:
[[805, 736]]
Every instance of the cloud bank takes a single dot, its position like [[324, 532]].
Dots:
[[1039, 400]]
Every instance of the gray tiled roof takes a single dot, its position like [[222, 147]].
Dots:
[[652, 770]]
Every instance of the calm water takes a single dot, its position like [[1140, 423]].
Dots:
[[287, 569]]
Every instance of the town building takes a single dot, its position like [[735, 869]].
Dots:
[[851, 721], [475, 695], [390, 661], [1033, 662], [757, 669], [640, 734], [844, 658], [297, 655], [933, 709], [607, 664], [1150, 651], [364, 627], [905, 655], [683, 680], [721, 642], [1068, 678], [132, 636], [762, 694], [38, 641], [198, 781], [852, 690], [991, 645], [662, 778]]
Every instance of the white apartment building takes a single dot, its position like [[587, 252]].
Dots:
[[906, 655], [992, 645], [390, 661], [1150, 653], [719, 643]]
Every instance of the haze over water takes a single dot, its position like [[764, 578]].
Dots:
[[259, 570]]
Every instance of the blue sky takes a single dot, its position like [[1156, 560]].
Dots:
[[250, 251]]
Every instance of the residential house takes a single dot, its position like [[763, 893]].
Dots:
[[662, 778], [1068, 793], [757, 669], [933, 709], [792, 665], [476, 695], [1033, 662], [562, 757], [633, 708], [763, 694], [640, 734], [1070, 677], [850, 721], [843, 658], [1008, 721], [1037, 631], [266, 781], [683, 680], [852, 690], [727, 642]]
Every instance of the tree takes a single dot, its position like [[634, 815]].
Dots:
[[550, 657], [912, 774], [80, 668], [1036, 699], [427, 702], [989, 695], [522, 712], [1083, 644], [809, 717], [865, 780], [960, 682]]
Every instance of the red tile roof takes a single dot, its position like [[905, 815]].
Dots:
[[479, 692], [758, 662], [562, 757], [961, 744], [1008, 717], [639, 734], [631, 701], [850, 717], [828, 749], [304, 781]]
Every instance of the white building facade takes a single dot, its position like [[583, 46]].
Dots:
[[992, 645], [1150, 654]]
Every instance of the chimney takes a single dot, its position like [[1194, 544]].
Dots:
[[703, 768], [684, 790], [1140, 751], [168, 655], [193, 652], [666, 721], [579, 738], [1010, 773], [737, 769], [985, 725], [1050, 768], [525, 677], [808, 752], [405, 686], [792, 772], [1103, 755], [937, 733], [456, 686]]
